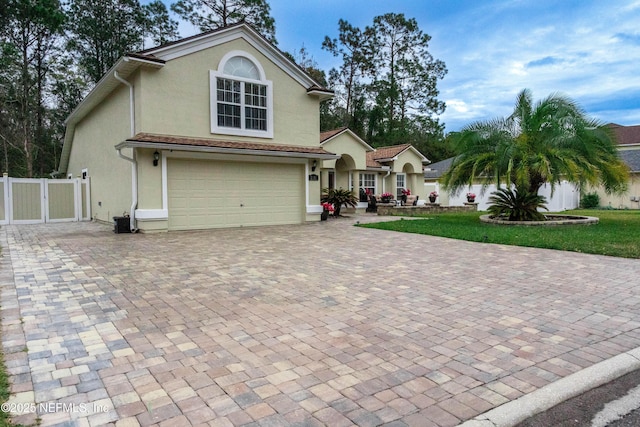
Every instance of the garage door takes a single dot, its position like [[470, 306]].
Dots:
[[211, 194]]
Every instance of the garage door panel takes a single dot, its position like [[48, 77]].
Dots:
[[209, 194]]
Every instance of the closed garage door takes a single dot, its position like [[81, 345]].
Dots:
[[212, 194]]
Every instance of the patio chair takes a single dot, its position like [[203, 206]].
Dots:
[[373, 204]]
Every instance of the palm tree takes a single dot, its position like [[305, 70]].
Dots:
[[548, 142]]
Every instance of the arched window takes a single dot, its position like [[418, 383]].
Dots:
[[241, 97]]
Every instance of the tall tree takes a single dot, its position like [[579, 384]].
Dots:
[[30, 31], [406, 74], [212, 14], [303, 58], [67, 90], [386, 87], [103, 31], [353, 47], [100, 32], [158, 25], [546, 142]]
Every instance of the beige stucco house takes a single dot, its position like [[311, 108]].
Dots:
[[628, 139], [216, 130], [364, 169]]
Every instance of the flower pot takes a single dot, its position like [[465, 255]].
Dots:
[[385, 199], [432, 199], [324, 215], [471, 199]]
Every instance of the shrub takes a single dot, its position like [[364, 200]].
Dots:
[[517, 206], [590, 201]]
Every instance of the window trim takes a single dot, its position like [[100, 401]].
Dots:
[[213, 87], [362, 181], [399, 189]]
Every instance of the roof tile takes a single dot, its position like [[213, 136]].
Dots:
[[206, 142], [626, 135]]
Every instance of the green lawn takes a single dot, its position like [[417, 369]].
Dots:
[[615, 235]]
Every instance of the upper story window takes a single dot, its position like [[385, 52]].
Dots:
[[241, 97]]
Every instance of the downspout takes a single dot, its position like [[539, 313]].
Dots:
[[134, 163], [384, 179]]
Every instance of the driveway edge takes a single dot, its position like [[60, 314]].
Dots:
[[516, 411]]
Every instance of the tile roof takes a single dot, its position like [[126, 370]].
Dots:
[[382, 153], [222, 144], [331, 133], [388, 152], [626, 135]]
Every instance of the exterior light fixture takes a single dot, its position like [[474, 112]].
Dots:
[[156, 157], [313, 165]]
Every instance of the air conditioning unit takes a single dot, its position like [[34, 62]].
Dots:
[[635, 199]]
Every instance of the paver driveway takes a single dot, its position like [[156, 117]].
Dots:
[[320, 324]]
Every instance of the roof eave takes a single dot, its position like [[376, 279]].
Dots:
[[125, 66], [323, 95], [353, 134], [224, 150]]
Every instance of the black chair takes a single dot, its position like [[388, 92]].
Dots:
[[373, 204]]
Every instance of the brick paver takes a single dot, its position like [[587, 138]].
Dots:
[[318, 324]]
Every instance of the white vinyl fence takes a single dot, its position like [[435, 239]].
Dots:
[[566, 196], [34, 201]]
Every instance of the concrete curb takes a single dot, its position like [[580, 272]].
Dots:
[[516, 411]]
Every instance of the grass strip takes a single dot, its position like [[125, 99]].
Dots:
[[615, 235]]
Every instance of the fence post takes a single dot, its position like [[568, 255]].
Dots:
[[5, 201]]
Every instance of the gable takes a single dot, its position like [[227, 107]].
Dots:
[[171, 53], [346, 143], [397, 156], [228, 34]]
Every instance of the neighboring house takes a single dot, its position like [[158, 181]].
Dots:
[[364, 169], [216, 130], [628, 138]]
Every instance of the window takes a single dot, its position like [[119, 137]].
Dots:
[[368, 182], [241, 97], [401, 184]]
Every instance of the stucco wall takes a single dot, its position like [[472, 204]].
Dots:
[[346, 144], [175, 99], [93, 149], [622, 201]]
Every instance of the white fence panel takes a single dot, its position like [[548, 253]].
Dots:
[[35, 201], [565, 197]]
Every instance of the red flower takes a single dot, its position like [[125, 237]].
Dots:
[[328, 207]]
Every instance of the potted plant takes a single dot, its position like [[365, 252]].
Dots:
[[433, 196], [326, 209], [386, 197], [471, 197], [339, 197]]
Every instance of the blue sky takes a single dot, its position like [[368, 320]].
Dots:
[[588, 50]]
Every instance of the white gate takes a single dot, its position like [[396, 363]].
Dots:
[[34, 201]]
